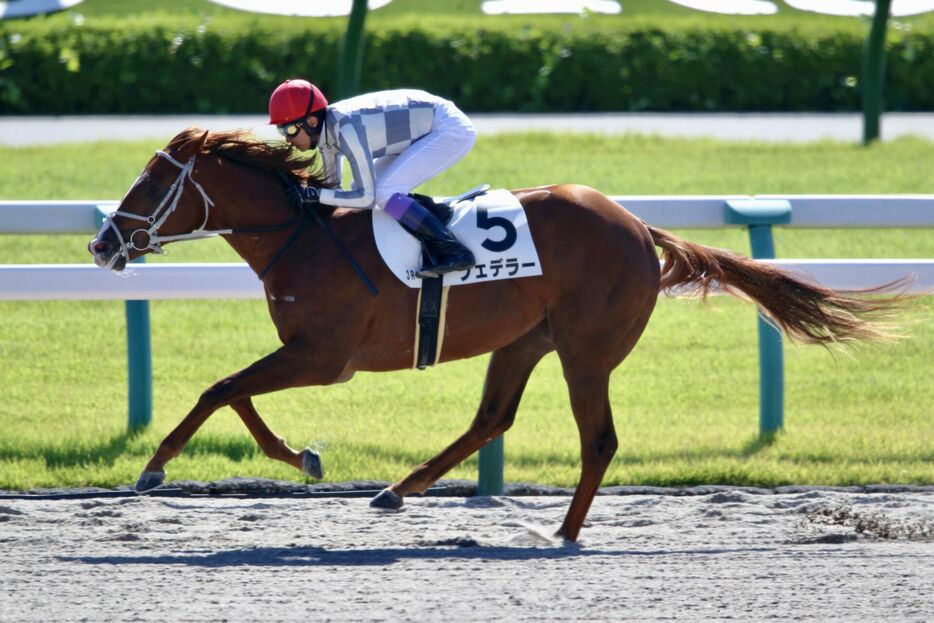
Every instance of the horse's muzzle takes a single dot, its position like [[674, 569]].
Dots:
[[103, 251]]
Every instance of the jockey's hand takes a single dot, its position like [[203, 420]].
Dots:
[[300, 195]]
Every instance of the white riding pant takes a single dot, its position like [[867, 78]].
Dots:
[[452, 136]]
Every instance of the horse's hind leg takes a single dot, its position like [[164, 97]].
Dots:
[[507, 375], [590, 403], [588, 356]]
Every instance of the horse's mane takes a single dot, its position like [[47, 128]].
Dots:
[[243, 147]]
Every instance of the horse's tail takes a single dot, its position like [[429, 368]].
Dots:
[[805, 311]]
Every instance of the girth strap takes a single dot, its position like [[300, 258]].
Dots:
[[429, 329]]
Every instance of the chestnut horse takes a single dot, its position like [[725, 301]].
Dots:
[[601, 278]]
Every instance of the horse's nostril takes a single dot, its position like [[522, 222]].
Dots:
[[100, 246]]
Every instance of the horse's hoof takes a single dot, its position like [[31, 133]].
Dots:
[[311, 463], [387, 499], [148, 481]]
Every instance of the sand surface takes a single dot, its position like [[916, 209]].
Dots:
[[729, 555]]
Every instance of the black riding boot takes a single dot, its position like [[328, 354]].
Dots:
[[443, 253]]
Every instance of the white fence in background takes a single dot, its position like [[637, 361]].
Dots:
[[235, 280], [140, 282], [674, 211]]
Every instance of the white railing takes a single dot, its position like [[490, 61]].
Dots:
[[142, 282], [807, 211], [236, 280], [675, 211]]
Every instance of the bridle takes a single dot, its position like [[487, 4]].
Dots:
[[162, 212], [168, 204]]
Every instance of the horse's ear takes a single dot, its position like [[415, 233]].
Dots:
[[193, 147], [199, 144]]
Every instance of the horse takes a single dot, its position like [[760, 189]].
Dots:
[[601, 278]]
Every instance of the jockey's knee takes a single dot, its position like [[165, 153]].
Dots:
[[470, 138]]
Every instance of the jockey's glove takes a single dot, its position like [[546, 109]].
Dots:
[[300, 195]]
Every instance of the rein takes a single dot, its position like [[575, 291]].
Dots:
[[168, 205], [340, 247]]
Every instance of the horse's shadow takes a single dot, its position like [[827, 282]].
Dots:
[[65, 454], [319, 556], [59, 454]]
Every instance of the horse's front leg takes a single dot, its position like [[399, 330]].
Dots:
[[275, 446], [507, 374], [292, 365]]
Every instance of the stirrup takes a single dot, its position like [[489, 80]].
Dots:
[[452, 265], [431, 272]]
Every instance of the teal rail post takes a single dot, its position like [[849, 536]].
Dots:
[[139, 362], [490, 474], [873, 86], [348, 80], [759, 216], [139, 356]]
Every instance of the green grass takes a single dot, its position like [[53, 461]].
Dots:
[[685, 401]]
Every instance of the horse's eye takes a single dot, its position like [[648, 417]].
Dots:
[[153, 193]]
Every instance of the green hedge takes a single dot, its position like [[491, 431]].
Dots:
[[230, 64]]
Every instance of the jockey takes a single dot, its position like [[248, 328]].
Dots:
[[393, 141]]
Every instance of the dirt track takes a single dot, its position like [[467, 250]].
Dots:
[[816, 555]]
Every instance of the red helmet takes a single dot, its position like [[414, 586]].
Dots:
[[294, 99]]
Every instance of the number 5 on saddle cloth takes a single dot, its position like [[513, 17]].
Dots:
[[491, 224]]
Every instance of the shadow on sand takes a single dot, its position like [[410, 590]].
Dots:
[[319, 556]]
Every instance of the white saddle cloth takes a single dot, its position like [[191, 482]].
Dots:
[[492, 225]]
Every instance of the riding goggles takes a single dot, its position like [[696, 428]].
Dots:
[[290, 129]]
